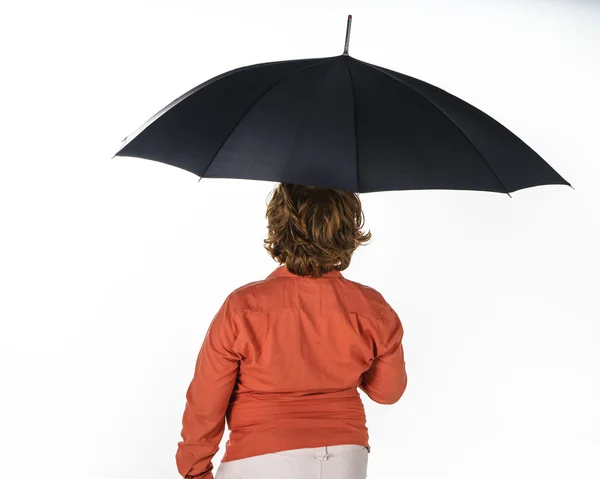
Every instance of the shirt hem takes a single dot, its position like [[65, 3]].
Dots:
[[286, 444]]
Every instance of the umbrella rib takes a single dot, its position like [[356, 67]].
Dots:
[[446, 115], [254, 103], [355, 128]]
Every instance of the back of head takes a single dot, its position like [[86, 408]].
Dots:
[[314, 230]]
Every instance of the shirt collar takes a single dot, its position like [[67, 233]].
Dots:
[[282, 271]]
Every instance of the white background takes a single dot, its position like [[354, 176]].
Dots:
[[112, 269]]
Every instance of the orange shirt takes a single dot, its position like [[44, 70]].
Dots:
[[281, 362]]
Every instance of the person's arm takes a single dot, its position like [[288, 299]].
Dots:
[[208, 396], [385, 381]]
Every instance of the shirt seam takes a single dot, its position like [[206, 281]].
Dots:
[[235, 315]]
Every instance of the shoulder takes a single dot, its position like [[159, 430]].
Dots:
[[245, 289], [247, 296], [375, 305], [370, 293]]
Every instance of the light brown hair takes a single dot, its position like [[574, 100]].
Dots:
[[313, 230]]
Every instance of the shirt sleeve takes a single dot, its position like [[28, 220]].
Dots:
[[208, 396], [386, 379]]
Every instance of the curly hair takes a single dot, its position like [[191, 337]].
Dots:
[[313, 230]]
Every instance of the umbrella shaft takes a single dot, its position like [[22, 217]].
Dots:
[[347, 35]]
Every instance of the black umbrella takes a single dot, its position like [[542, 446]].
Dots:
[[337, 122]]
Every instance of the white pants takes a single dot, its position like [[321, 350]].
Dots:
[[348, 461]]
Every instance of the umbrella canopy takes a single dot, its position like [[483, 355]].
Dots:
[[337, 122]]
